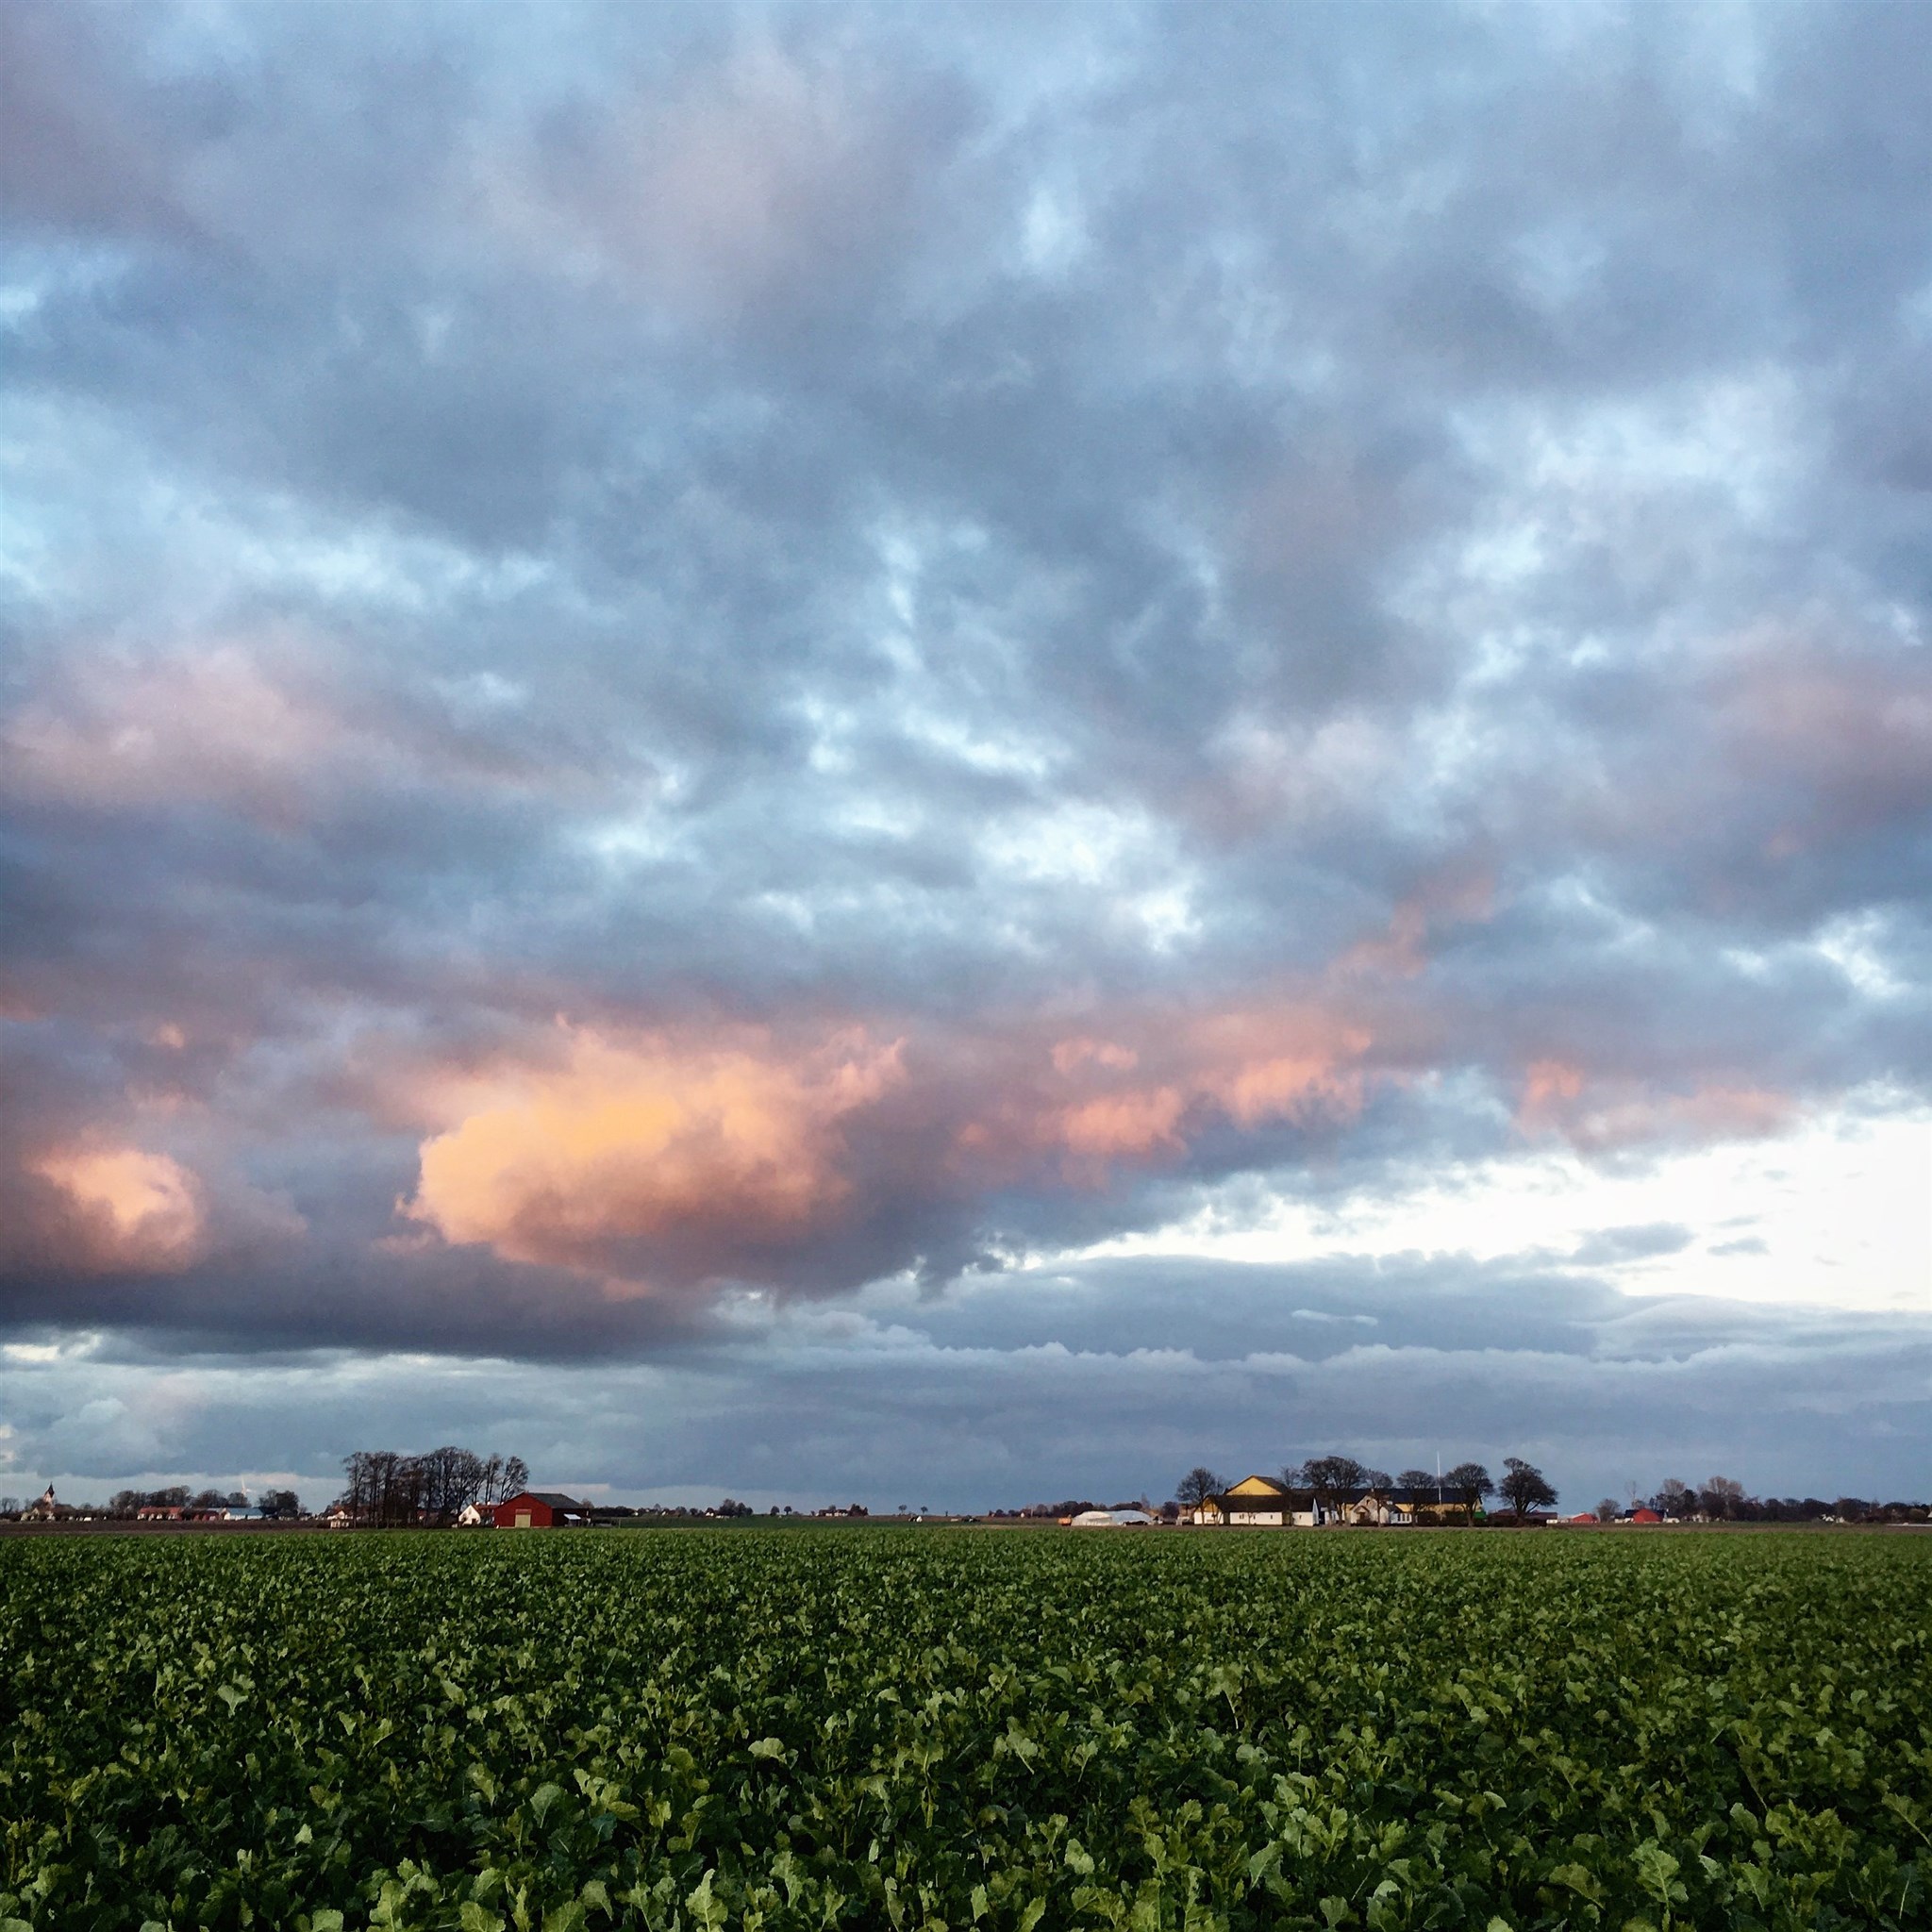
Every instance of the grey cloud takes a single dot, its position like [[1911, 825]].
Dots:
[[1611, 1245], [1106, 1382], [981, 526]]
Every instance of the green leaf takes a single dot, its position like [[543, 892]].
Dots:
[[1580, 1881]]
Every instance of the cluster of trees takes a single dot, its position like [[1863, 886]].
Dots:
[[1722, 1499], [1075, 1505], [1334, 1480], [131, 1502], [385, 1490]]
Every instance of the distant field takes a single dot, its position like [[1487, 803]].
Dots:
[[917, 1728]]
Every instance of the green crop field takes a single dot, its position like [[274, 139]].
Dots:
[[911, 1728]]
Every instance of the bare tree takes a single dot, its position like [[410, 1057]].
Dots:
[[1331, 1477], [1468, 1483], [1722, 1497], [1523, 1486], [390, 1490], [1673, 1498], [1195, 1487], [1607, 1509], [384, 1488], [1418, 1482], [452, 1479]]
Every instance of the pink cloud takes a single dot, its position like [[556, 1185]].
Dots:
[[250, 724], [634, 1140], [126, 1209], [201, 724], [1603, 1111], [762, 179]]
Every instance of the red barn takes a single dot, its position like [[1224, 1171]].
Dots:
[[539, 1510], [1643, 1516]]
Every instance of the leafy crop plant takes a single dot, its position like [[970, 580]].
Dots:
[[917, 1729]]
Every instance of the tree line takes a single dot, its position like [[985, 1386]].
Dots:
[[390, 1491], [201, 1502], [1334, 1480], [1723, 1499]]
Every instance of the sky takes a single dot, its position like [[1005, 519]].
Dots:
[[951, 755]]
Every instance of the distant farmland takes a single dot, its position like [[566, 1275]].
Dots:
[[910, 1729]]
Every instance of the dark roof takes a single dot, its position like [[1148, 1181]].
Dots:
[[549, 1498], [1281, 1499]]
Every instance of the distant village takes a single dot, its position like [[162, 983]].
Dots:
[[454, 1489]]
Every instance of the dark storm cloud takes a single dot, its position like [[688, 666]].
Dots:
[[1107, 1381], [643, 652]]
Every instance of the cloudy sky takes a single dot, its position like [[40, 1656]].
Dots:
[[955, 754]]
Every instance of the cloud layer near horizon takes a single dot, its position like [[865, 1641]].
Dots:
[[1032, 1387], [650, 657]]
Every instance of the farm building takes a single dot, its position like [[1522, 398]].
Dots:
[[540, 1509], [1377, 1507], [1259, 1501], [1111, 1519]]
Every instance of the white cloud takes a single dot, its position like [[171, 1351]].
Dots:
[[1836, 1213]]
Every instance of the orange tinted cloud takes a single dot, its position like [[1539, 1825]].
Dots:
[[680, 1157], [134, 1209], [1546, 1085], [1279, 1062], [1133, 1122], [633, 1141], [1139, 1093], [1070, 1056], [1607, 1111]]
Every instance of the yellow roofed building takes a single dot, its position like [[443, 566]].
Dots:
[[1258, 1502]]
